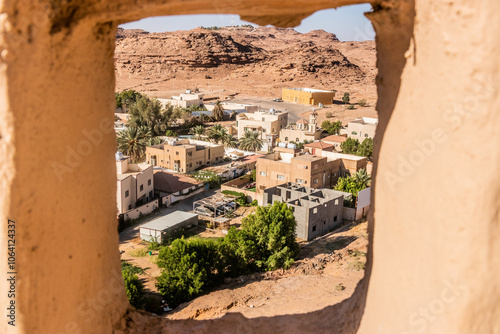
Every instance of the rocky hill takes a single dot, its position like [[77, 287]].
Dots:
[[248, 61]]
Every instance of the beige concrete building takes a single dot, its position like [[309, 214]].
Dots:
[[266, 123], [335, 140], [184, 155], [134, 183], [308, 96], [184, 100], [361, 128], [302, 130]]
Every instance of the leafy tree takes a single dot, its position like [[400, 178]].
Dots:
[[332, 128], [354, 184], [154, 141], [350, 146], [171, 133], [365, 149], [189, 268], [133, 141], [133, 288], [126, 98], [253, 175], [346, 98], [198, 131], [148, 113], [218, 112], [251, 141], [269, 234]]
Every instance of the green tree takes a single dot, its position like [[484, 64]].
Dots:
[[154, 141], [332, 128], [251, 141], [198, 131], [148, 113], [133, 288], [127, 98], [346, 98], [365, 149], [269, 236], [253, 175], [218, 112], [133, 141], [350, 146], [216, 133], [354, 184], [188, 268], [171, 133], [230, 141]]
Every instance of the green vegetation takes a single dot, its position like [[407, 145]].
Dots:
[[134, 289], [251, 141], [354, 184], [139, 252], [127, 98], [352, 146], [351, 107], [149, 113], [133, 141], [218, 111], [356, 253], [254, 202], [362, 103], [208, 176], [133, 269], [265, 242], [171, 133], [340, 287], [357, 265], [198, 131], [346, 98], [332, 128], [241, 197]]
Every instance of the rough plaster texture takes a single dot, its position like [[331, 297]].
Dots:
[[433, 245]]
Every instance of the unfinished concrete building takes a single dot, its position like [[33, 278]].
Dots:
[[316, 211]]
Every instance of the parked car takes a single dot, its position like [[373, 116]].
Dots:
[[278, 100]]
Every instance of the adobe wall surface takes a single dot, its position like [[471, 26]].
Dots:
[[432, 247]]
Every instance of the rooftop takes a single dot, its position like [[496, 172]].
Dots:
[[170, 220], [318, 144], [311, 90], [335, 139], [172, 182], [302, 121]]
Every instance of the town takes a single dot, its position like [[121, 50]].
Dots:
[[197, 166]]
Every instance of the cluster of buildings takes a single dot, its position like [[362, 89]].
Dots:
[[301, 177]]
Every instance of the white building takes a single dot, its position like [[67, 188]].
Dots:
[[134, 183], [361, 128], [184, 100]]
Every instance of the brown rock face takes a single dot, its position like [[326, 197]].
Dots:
[[253, 61]]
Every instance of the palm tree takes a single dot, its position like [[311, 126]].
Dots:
[[230, 141], [133, 141], [362, 178], [154, 141], [198, 131], [251, 141], [218, 112], [216, 133]]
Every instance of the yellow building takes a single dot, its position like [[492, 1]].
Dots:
[[307, 96]]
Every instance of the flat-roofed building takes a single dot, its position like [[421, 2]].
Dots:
[[184, 100], [316, 211], [134, 183], [308, 96], [361, 128], [349, 164], [184, 155], [163, 227], [264, 122]]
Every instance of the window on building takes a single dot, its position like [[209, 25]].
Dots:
[[263, 130], [216, 158], [262, 173], [336, 202], [316, 166], [297, 140], [315, 210], [190, 153], [299, 181], [306, 167], [335, 218], [324, 222], [245, 129], [280, 177], [141, 188], [126, 193], [176, 153], [151, 194], [149, 182], [286, 138], [366, 135], [130, 206], [314, 228], [315, 181]]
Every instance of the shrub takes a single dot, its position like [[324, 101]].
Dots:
[[255, 202], [133, 269], [357, 265], [350, 107], [363, 103], [346, 98], [171, 133], [329, 114], [339, 287], [140, 252], [133, 288]]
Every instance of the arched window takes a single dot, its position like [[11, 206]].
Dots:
[[286, 139]]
